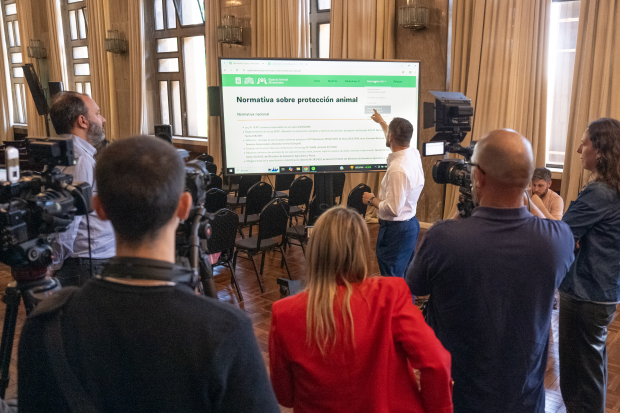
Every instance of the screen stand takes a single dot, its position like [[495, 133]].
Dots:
[[324, 184]]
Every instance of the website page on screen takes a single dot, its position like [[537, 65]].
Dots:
[[301, 116]]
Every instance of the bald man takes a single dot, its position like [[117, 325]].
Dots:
[[491, 279]]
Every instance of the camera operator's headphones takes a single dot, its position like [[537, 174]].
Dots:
[[141, 269]]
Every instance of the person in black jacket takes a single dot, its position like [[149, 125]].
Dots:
[[137, 338]]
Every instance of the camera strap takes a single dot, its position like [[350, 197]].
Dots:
[[73, 392], [144, 269]]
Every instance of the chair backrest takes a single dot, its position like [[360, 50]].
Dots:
[[205, 158], [283, 182], [313, 211], [300, 192], [216, 182], [211, 168], [223, 231], [258, 196], [245, 183], [273, 220], [355, 200], [339, 184], [215, 199], [229, 181]]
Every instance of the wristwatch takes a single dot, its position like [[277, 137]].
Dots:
[[370, 200]]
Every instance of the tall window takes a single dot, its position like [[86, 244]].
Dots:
[[320, 14], [75, 24], [181, 66], [13, 46], [562, 45]]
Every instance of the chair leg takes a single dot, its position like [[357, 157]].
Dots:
[[285, 264], [262, 263], [240, 231], [256, 271], [251, 230], [234, 263], [303, 249], [285, 244], [234, 281]]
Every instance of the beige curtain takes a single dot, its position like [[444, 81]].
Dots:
[[499, 51], [36, 123], [57, 62], [596, 82], [376, 41], [213, 52], [137, 76], [101, 67], [280, 28]]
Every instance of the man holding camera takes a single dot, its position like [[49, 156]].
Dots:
[[137, 338], [77, 116], [398, 198], [491, 279]]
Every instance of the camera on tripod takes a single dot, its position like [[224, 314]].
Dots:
[[34, 207], [451, 115], [193, 232]]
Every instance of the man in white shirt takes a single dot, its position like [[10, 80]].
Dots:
[[398, 199], [78, 117]]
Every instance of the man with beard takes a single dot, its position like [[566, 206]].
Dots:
[[491, 279], [398, 199], [547, 201], [78, 117]]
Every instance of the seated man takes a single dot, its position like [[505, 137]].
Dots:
[[548, 202], [491, 279], [137, 338]]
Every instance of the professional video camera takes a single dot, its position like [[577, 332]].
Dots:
[[33, 209], [451, 115], [194, 231]]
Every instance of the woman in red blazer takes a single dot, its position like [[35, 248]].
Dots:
[[349, 343]]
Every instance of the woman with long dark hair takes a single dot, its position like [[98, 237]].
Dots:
[[590, 292], [349, 342]]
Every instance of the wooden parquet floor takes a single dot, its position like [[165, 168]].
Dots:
[[258, 307]]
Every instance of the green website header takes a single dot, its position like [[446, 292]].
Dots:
[[318, 81]]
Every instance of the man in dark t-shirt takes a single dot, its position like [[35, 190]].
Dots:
[[137, 338], [491, 279]]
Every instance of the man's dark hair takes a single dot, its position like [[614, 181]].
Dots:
[[139, 183], [541, 173], [401, 130], [66, 108]]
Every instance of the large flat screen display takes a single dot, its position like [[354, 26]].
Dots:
[[312, 116]]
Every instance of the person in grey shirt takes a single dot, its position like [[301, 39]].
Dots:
[[78, 117]]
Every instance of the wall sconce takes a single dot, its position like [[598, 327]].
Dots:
[[114, 44], [229, 32], [36, 50], [413, 16]]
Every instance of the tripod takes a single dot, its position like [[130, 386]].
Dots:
[[32, 286]]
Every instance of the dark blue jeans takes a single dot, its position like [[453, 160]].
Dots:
[[396, 245]]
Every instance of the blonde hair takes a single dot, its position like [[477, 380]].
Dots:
[[338, 254]]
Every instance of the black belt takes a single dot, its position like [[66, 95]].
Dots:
[[85, 261]]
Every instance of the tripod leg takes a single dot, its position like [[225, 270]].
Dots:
[[12, 299]]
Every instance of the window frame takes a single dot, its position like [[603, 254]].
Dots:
[[317, 17], [180, 32], [15, 82], [72, 78], [555, 167]]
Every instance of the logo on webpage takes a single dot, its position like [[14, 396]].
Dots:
[[262, 80], [238, 80], [248, 81]]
